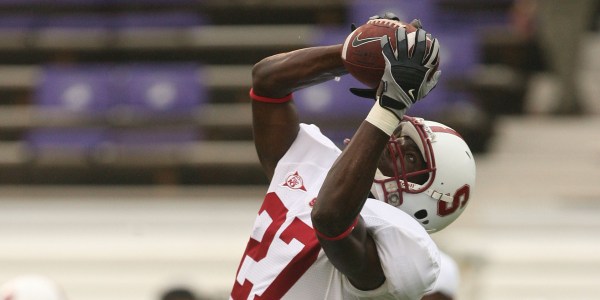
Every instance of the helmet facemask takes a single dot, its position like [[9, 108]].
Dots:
[[390, 189]]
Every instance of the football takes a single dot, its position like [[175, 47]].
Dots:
[[361, 53]]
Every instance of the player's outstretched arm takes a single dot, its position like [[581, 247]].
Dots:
[[275, 121], [336, 213]]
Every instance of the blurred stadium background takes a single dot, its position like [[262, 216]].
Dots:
[[127, 165]]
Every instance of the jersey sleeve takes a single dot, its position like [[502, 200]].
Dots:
[[311, 146], [409, 257], [310, 151], [410, 264], [449, 279]]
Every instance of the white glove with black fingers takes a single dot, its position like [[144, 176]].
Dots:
[[407, 78]]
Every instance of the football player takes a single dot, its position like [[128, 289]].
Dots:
[[351, 224]]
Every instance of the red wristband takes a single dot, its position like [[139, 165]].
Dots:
[[258, 98], [341, 235]]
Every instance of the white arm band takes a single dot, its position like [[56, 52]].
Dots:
[[383, 119]]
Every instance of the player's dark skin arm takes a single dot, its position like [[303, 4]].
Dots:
[[342, 197], [275, 126], [339, 202]]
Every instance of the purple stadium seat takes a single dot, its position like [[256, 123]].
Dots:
[[332, 99], [333, 108], [162, 91], [460, 51], [18, 21], [433, 16], [330, 35], [76, 21], [163, 19], [86, 88], [21, 2], [53, 3], [359, 11], [460, 54], [149, 92], [164, 87], [157, 2], [473, 14], [86, 91]]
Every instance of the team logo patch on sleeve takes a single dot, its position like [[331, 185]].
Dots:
[[294, 181]]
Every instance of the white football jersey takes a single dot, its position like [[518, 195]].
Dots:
[[283, 258], [448, 281]]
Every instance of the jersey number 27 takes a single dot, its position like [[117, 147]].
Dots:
[[278, 253]]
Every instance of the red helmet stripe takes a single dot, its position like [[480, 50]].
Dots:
[[445, 130]]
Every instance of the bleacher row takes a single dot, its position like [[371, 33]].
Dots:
[[154, 91]]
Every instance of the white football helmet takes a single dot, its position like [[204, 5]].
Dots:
[[31, 287], [450, 167]]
